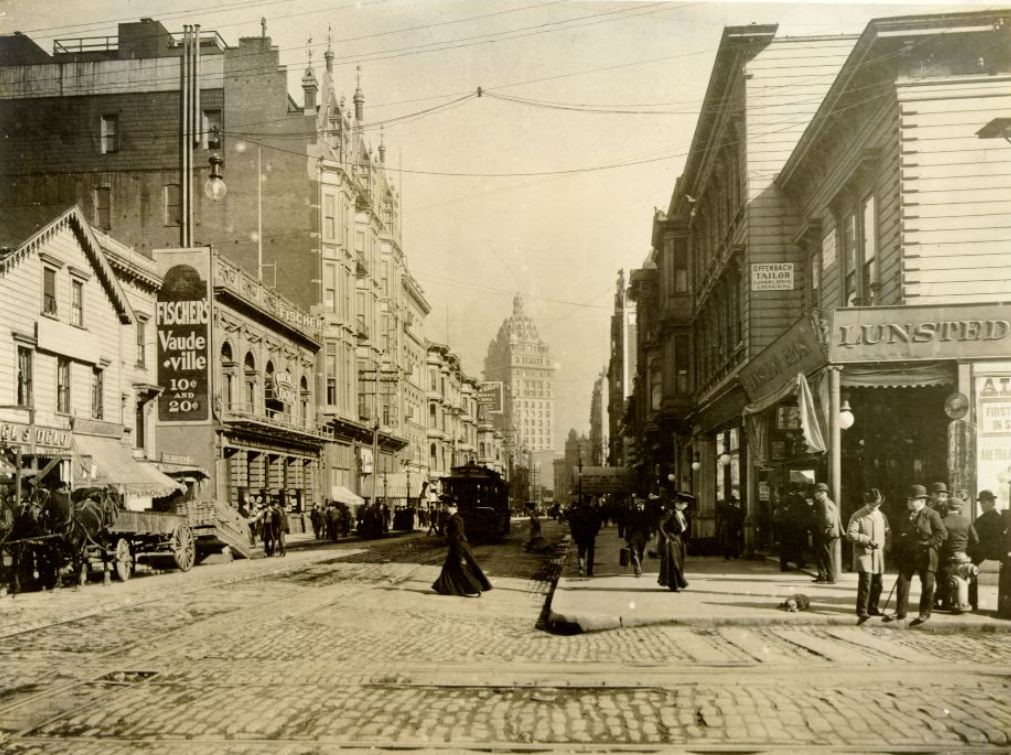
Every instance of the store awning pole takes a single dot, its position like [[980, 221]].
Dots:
[[17, 474], [835, 454]]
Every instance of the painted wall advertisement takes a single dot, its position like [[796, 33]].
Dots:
[[993, 436], [490, 397], [182, 323]]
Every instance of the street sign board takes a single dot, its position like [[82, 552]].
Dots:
[[600, 480], [490, 397]]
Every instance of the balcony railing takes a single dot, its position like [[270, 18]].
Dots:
[[246, 411]]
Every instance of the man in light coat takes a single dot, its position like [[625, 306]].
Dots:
[[869, 532]]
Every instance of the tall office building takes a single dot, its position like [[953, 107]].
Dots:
[[521, 361]]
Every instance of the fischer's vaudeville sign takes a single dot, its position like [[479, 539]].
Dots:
[[182, 316], [908, 333]]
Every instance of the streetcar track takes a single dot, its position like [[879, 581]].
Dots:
[[95, 679]]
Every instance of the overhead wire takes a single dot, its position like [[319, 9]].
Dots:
[[438, 46]]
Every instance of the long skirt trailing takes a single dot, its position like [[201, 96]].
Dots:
[[672, 563], [461, 575]]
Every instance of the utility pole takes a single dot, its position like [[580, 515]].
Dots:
[[579, 476]]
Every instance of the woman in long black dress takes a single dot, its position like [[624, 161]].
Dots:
[[671, 544], [460, 574]]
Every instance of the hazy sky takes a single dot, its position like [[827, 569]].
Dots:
[[501, 196]]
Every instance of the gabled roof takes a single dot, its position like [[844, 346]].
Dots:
[[23, 230], [882, 31]]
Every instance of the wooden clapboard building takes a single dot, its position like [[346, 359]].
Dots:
[[903, 185], [76, 395]]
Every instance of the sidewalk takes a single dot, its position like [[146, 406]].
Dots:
[[737, 592]]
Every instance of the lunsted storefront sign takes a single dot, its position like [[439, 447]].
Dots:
[[183, 319], [903, 333]]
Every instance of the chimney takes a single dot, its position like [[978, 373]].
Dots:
[[311, 88]]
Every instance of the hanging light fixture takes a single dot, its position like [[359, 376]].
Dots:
[[724, 459], [846, 418], [215, 187]]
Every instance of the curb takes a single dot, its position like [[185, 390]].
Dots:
[[587, 623], [546, 619]]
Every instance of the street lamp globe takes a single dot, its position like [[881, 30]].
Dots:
[[215, 188], [846, 418]]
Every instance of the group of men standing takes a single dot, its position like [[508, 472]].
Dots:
[[800, 516], [935, 542]]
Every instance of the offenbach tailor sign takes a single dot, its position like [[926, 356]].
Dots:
[[182, 319]]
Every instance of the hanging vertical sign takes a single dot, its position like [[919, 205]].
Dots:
[[993, 435], [182, 319]]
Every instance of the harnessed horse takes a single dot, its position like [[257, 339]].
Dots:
[[25, 533]]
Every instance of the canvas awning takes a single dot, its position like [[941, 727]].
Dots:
[[758, 426], [897, 376], [106, 461], [392, 485], [341, 494]]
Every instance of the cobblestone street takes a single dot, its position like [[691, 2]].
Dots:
[[337, 648]]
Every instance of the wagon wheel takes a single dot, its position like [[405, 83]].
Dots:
[[184, 547], [123, 562]]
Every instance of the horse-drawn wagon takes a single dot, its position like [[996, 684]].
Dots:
[[149, 535], [45, 529]]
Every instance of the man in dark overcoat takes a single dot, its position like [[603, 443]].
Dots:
[[954, 558], [918, 545], [826, 531], [992, 530], [584, 525], [638, 529]]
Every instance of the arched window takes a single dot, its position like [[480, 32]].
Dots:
[[228, 372], [270, 403], [304, 397], [249, 368], [432, 457]]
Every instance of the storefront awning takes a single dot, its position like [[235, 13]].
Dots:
[[105, 461], [921, 375], [392, 485], [341, 494], [181, 470], [811, 428]]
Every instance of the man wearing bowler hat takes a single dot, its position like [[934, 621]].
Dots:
[[939, 498], [826, 531], [869, 532], [921, 535]]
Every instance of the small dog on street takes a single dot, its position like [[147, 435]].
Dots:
[[795, 603]]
